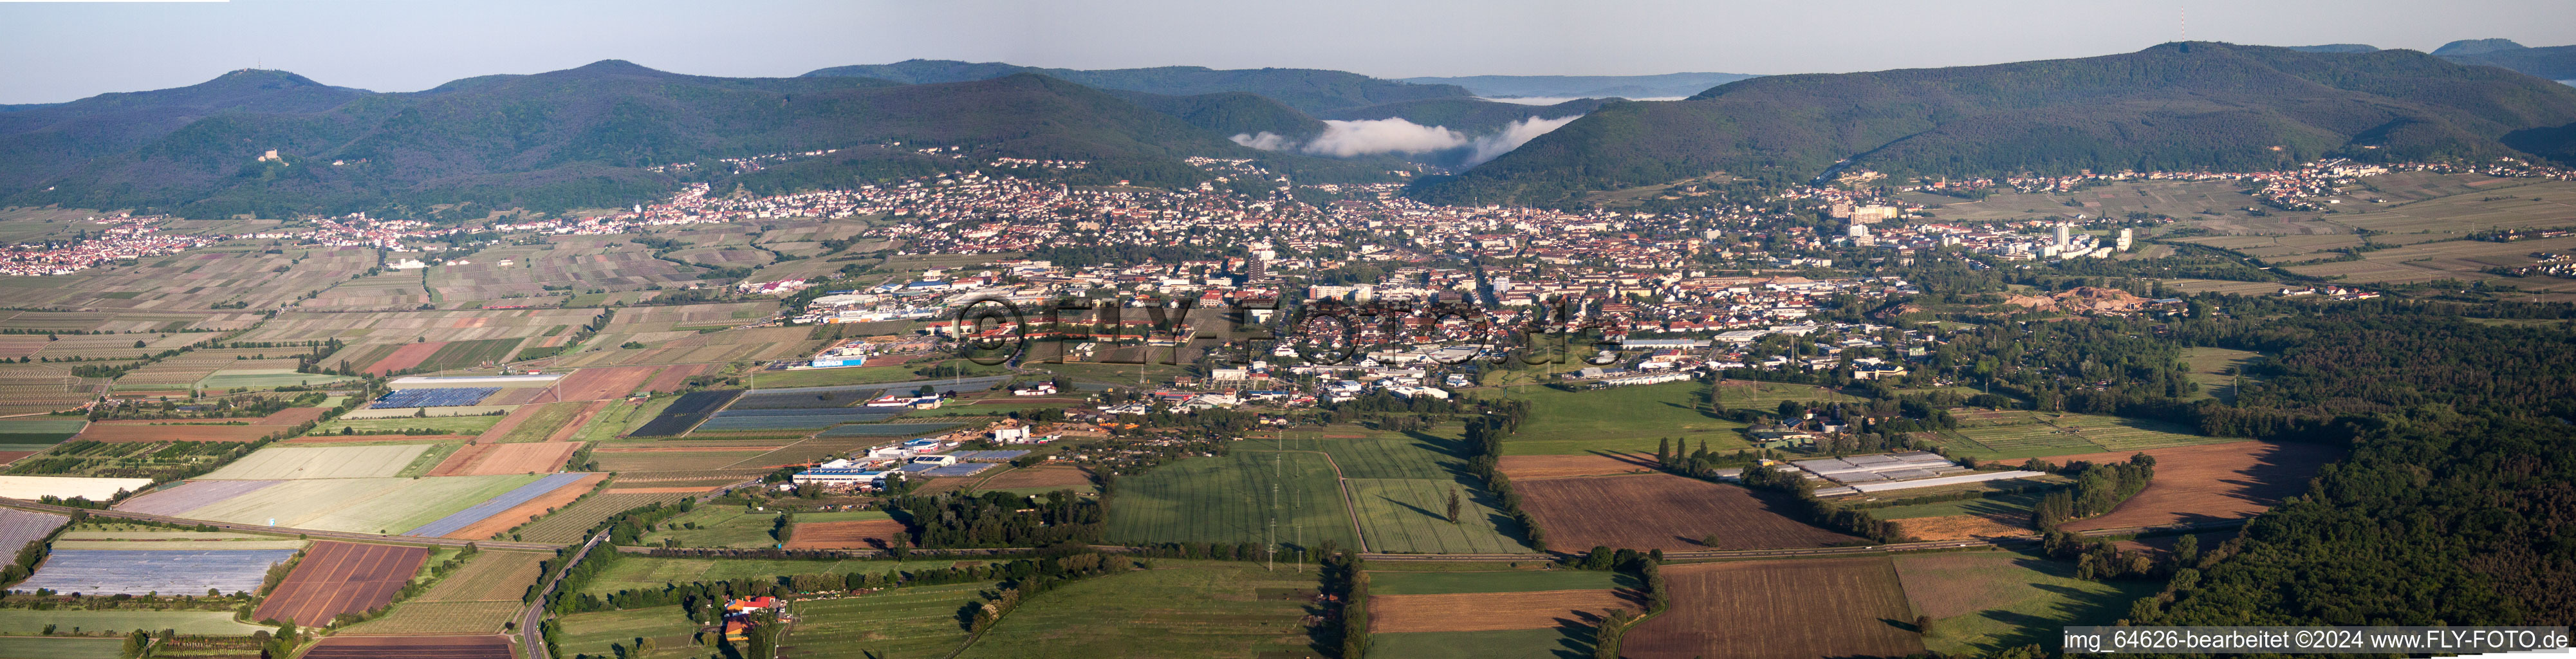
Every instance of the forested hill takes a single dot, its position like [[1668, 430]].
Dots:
[[1313, 91], [1667, 85], [2552, 62], [2174, 106], [582, 136]]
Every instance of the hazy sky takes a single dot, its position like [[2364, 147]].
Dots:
[[59, 51]]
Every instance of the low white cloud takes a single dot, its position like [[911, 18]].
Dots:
[[1266, 141], [1513, 136], [1374, 136], [1344, 139], [1552, 100]]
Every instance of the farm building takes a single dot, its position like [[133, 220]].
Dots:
[[841, 476]]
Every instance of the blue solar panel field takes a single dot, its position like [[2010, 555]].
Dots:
[[467, 517], [168, 572], [452, 397], [987, 455]]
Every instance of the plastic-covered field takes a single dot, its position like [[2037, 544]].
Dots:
[[439, 397], [495, 505], [987, 455], [686, 412], [949, 470], [115, 572], [19, 527], [188, 496]]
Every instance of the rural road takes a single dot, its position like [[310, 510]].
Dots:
[[531, 633]]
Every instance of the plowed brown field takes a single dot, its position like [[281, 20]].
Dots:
[[1830, 607], [603, 383], [1962, 527], [340, 577], [857, 534], [1663, 511], [498, 459], [2211, 482], [673, 378], [1484, 612], [411, 647], [408, 356]]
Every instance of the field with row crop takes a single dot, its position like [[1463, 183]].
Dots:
[[1230, 499], [1219, 611], [905, 622]]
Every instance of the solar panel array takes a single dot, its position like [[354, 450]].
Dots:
[[996, 456], [168, 572], [441, 397], [785, 419], [888, 429]]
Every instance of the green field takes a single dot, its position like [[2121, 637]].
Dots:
[[1983, 602], [904, 622], [365, 505], [2011, 505], [23, 622], [1630, 419], [1506, 644], [1228, 499], [1401, 582], [40, 430], [592, 633], [2017, 435], [1410, 515], [222, 381], [640, 572], [461, 354], [826, 377], [2206, 364], [718, 526], [1234, 611], [17, 647], [548, 418]]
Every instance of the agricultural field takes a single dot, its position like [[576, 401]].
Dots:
[[858, 529], [510, 509], [1220, 611], [1824, 607], [685, 413], [1626, 419], [492, 459], [475, 599], [445, 425], [2016, 434], [44, 388], [1991, 517], [40, 430], [1525, 467], [340, 577], [138, 572], [178, 432], [594, 634], [1227, 499], [570, 524], [365, 505], [61, 648], [442, 647], [1530, 630], [19, 527], [94, 489], [24, 622], [2212, 482], [1478, 612], [1985, 602], [919, 621], [717, 526], [640, 572], [1663, 511], [2216, 370], [293, 462], [541, 422]]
